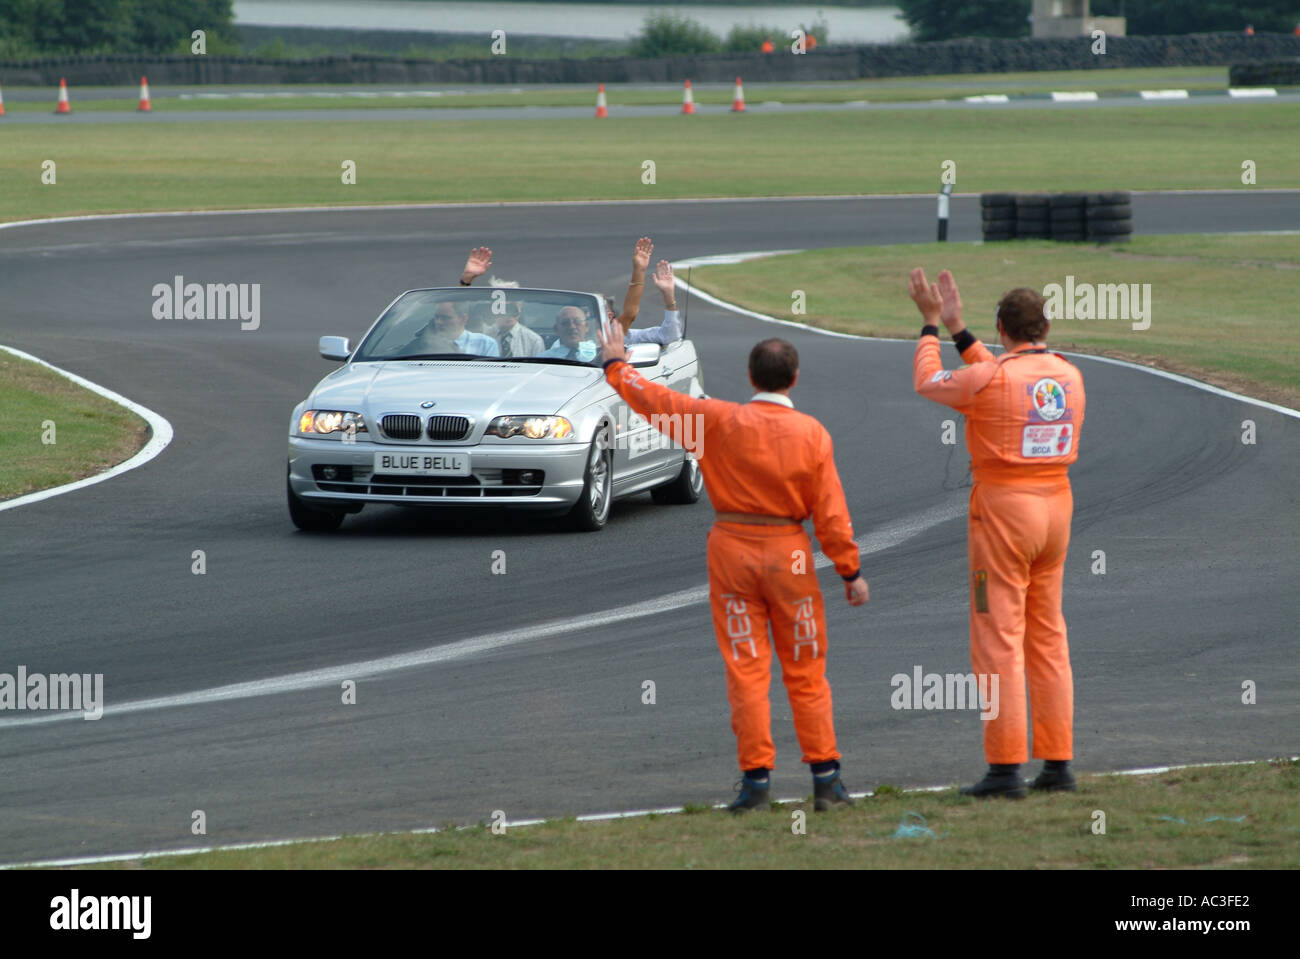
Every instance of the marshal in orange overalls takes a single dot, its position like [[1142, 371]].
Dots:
[[1024, 411], [765, 458]]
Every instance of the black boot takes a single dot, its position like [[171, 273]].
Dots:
[[755, 792], [829, 792], [1000, 780], [1055, 777]]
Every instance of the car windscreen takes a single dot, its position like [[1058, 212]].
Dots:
[[521, 324]]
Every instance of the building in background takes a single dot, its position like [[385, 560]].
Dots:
[[1071, 18]]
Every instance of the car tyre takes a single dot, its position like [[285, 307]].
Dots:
[[309, 519], [683, 490], [591, 512]]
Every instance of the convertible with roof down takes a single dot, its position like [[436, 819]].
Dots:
[[445, 403]]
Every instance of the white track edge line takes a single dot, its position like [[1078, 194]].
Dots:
[[161, 429], [878, 540], [590, 817]]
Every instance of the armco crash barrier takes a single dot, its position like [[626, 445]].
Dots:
[[1067, 217], [973, 55]]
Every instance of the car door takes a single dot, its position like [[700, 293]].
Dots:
[[639, 448]]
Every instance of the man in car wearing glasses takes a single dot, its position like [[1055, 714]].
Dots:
[[572, 326]]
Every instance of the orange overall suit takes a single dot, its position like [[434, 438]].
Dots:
[[1024, 411], [763, 458]]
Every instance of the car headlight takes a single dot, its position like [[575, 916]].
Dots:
[[331, 421], [534, 427]]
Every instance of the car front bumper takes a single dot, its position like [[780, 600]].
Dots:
[[322, 472]]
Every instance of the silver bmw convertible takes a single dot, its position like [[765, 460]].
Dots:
[[484, 398]]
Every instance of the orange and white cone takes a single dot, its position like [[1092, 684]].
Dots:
[[2, 103], [602, 110], [145, 105], [688, 99], [738, 98], [64, 106]]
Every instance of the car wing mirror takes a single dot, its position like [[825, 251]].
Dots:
[[644, 354], [335, 348]]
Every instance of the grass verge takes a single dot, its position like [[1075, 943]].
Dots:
[[111, 167], [1218, 303], [90, 433], [1209, 817]]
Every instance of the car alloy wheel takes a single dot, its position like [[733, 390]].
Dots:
[[591, 511], [598, 467], [684, 489]]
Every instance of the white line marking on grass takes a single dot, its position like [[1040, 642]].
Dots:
[[988, 98], [1163, 94], [722, 259], [162, 435], [593, 817], [1073, 96], [1251, 92]]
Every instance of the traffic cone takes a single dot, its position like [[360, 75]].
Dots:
[[688, 99], [64, 106], [738, 98], [2, 103], [601, 109], [145, 106]]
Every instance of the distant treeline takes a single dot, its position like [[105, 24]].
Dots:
[[30, 27], [949, 19]]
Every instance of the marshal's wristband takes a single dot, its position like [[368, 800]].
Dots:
[[857, 574], [617, 359], [963, 340], [929, 330], [463, 283]]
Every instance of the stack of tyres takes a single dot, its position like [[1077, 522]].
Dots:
[[999, 213], [1066, 216], [1109, 217], [1033, 216]]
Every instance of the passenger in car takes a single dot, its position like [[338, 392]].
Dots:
[[513, 337], [448, 324], [571, 341], [480, 260], [670, 330]]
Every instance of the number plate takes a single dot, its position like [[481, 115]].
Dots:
[[422, 464]]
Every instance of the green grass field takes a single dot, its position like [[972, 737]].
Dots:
[[1055, 831], [951, 86], [90, 434], [228, 165], [1219, 304]]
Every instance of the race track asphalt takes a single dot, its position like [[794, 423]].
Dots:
[[1199, 531]]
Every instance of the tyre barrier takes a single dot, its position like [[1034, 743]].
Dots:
[[1109, 217], [998, 213], [1065, 217]]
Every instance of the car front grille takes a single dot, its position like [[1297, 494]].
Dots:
[[440, 428], [401, 426], [445, 428]]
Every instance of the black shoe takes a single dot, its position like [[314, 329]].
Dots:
[[753, 795], [1055, 779], [830, 793], [998, 783]]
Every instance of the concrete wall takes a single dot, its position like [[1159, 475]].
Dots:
[[830, 63]]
